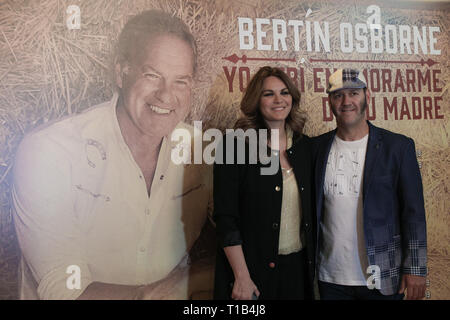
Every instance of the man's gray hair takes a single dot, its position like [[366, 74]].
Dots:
[[140, 29]]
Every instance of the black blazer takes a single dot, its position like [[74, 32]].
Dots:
[[247, 211]]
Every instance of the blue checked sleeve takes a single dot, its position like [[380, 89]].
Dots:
[[413, 221]]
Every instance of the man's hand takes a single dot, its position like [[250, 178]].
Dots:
[[172, 287], [415, 286], [182, 283]]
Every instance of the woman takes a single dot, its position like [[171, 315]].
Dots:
[[264, 222]]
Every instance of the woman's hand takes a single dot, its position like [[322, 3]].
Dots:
[[243, 289]]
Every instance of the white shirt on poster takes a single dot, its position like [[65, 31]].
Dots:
[[80, 199]]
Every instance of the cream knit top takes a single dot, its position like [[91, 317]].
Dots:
[[291, 213]]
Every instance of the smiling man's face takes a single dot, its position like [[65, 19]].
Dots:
[[156, 86], [349, 106]]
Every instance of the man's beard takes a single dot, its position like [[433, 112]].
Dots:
[[362, 106]]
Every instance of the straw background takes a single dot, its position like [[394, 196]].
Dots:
[[48, 71]]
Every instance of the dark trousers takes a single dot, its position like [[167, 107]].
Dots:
[[331, 291], [292, 283]]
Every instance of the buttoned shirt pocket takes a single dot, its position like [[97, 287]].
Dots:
[[188, 202], [187, 190]]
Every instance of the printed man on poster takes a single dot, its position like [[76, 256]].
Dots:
[[370, 206], [101, 211]]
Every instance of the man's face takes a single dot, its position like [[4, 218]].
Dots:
[[348, 106], [156, 86]]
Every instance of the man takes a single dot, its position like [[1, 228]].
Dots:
[[370, 208], [101, 211]]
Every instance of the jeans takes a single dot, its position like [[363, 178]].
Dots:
[[331, 291]]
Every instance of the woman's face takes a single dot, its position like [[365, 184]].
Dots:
[[276, 102]]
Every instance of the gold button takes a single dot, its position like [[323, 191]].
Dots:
[[277, 188]]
